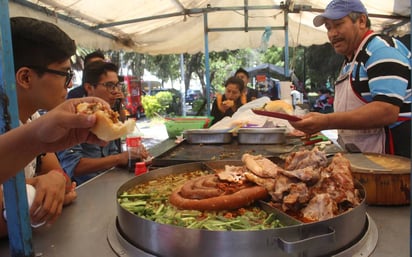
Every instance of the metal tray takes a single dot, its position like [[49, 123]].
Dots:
[[207, 136], [262, 135], [185, 153]]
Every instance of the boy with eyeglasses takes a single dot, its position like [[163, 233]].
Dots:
[[43, 73], [92, 57], [85, 161]]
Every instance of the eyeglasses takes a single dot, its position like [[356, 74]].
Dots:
[[110, 86], [69, 74]]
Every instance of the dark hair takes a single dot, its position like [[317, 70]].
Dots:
[[241, 70], [354, 16], [39, 43], [93, 71], [95, 54], [236, 81]]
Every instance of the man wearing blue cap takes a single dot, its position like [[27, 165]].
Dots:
[[373, 91]]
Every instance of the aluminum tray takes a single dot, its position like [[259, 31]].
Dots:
[[207, 136], [262, 136]]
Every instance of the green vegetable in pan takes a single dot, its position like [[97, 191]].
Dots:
[[150, 201]]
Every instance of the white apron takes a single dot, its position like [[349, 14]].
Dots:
[[368, 140]]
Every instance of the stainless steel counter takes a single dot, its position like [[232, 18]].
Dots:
[[82, 229]]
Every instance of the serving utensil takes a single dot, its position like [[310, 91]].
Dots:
[[278, 115]]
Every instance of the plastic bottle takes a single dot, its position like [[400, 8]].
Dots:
[[31, 193], [134, 145], [140, 168]]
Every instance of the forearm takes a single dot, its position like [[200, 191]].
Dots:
[[17, 148], [49, 162], [372, 115], [91, 165]]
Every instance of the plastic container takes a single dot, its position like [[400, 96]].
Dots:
[[31, 193], [133, 146], [176, 127], [208, 119]]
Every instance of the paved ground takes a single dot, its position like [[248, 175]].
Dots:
[[153, 131]]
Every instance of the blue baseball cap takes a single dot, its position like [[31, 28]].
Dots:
[[337, 9]]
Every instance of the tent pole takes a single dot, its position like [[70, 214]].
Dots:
[[286, 43], [410, 193], [207, 71], [182, 84], [15, 197]]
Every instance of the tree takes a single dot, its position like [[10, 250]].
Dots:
[[319, 64], [323, 64], [274, 55], [165, 67], [192, 63], [222, 65], [134, 62]]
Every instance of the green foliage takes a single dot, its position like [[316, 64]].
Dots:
[[199, 106], [152, 106], [224, 64], [135, 62], [323, 64], [274, 55], [164, 67], [157, 104], [317, 64], [164, 98]]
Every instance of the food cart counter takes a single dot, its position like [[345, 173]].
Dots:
[[82, 230]]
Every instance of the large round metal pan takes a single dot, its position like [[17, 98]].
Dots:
[[321, 238]]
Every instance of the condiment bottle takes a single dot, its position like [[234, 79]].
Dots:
[[140, 168], [134, 145]]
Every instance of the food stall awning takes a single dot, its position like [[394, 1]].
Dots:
[[179, 26]]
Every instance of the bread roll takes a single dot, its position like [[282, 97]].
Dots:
[[279, 106], [107, 126], [229, 103]]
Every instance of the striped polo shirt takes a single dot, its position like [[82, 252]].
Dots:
[[382, 73]]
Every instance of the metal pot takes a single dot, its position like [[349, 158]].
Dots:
[[321, 238], [391, 187]]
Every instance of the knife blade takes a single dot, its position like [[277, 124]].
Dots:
[[359, 161]]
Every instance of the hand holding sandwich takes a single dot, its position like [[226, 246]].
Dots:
[[58, 129]]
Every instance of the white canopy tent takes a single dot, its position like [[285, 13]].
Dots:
[[180, 26]]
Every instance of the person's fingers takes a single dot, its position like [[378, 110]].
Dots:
[[54, 212], [70, 197], [78, 121], [37, 202], [90, 99]]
